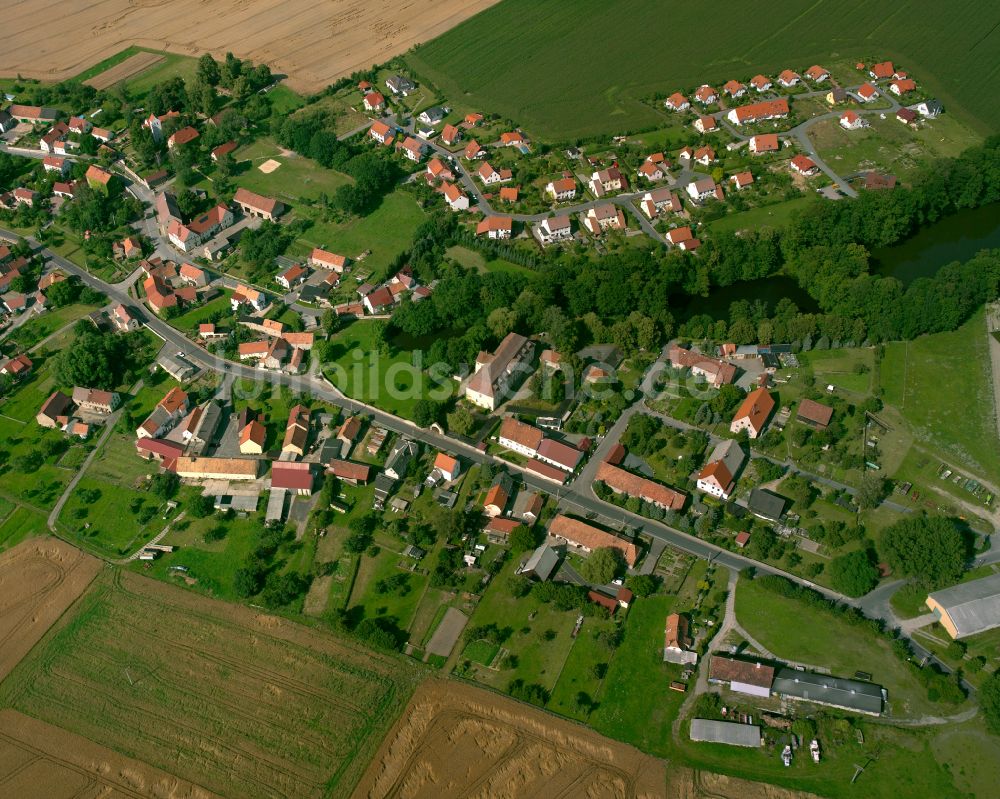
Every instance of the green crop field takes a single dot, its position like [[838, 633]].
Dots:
[[241, 707], [584, 70]]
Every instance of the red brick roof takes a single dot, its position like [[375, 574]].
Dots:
[[585, 535], [635, 486]]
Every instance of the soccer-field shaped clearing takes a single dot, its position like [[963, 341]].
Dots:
[[242, 703], [564, 70]]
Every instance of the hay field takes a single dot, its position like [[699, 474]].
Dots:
[[39, 580], [313, 43], [241, 703], [39, 761], [583, 69], [456, 741]]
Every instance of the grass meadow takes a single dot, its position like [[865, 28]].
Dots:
[[598, 61], [958, 421]]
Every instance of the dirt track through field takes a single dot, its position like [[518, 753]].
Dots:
[[132, 65], [39, 580], [313, 43]]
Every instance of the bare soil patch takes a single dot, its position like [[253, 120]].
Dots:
[[39, 580], [269, 166], [132, 65], [39, 761], [455, 740], [313, 43]]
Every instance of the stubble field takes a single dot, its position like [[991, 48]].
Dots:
[[313, 43], [241, 703]]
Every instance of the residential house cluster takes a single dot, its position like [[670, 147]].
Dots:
[[168, 285], [75, 414]]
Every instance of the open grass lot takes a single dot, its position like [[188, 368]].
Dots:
[[596, 61], [391, 382], [848, 369], [774, 216], [242, 704], [958, 421], [399, 604], [783, 626], [888, 144], [172, 66], [297, 177], [387, 231], [475, 260]]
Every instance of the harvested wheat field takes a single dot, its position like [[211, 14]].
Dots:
[[39, 761], [132, 65], [455, 740], [241, 703], [39, 580], [313, 43]]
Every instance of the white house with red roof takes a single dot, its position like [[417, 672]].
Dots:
[[760, 83], [804, 165], [490, 176], [374, 101], [412, 149], [850, 120], [742, 180], [788, 79], [562, 189], [734, 88], [706, 95], [455, 197], [380, 132], [706, 124], [867, 93], [677, 102], [323, 259], [496, 227], [817, 74]]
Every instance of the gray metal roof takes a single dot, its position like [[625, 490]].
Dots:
[[542, 561], [725, 732], [864, 697], [973, 606]]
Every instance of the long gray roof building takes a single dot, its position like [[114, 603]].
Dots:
[[968, 608], [861, 697], [725, 732]]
